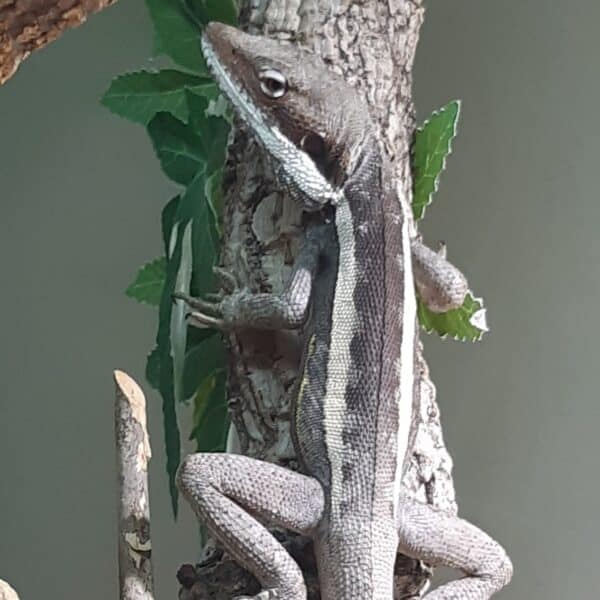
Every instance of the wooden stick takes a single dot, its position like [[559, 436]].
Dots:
[[133, 454], [6, 592]]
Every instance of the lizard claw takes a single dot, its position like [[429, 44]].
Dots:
[[227, 281], [204, 315], [202, 321], [197, 303]]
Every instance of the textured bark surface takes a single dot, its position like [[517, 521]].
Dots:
[[133, 454], [372, 43], [27, 25]]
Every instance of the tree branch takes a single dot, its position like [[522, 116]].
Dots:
[[27, 25], [133, 454]]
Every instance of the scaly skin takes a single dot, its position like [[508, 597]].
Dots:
[[356, 407]]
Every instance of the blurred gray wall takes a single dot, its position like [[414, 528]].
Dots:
[[518, 207]]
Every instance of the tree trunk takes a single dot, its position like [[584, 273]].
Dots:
[[372, 43]]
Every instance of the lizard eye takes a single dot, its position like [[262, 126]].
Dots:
[[272, 83]]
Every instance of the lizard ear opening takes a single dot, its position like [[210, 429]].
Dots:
[[314, 145]]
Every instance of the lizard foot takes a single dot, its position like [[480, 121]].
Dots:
[[204, 314], [214, 311]]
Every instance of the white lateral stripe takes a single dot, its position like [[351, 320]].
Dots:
[[343, 321], [406, 360]]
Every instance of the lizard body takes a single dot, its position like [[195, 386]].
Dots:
[[353, 290]]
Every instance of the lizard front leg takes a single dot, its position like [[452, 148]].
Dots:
[[443, 539], [240, 308], [223, 489], [227, 492], [440, 284]]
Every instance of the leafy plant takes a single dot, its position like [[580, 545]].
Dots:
[[188, 130], [431, 148], [188, 125]]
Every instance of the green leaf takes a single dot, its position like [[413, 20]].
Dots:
[[204, 11], [163, 364], [433, 143], [204, 244], [167, 219], [212, 131], [202, 360], [178, 313], [153, 368], [191, 209], [176, 35], [464, 323], [139, 96], [181, 152], [148, 285], [184, 148], [211, 421]]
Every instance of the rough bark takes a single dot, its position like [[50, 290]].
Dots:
[[27, 25], [6, 592], [372, 43], [133, 454]]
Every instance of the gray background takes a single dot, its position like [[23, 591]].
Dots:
[[518, 208]]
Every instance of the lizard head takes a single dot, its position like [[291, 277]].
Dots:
[[310, 121]]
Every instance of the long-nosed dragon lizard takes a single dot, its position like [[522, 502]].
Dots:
[[352, 289]]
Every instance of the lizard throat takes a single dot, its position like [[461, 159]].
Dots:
[[299, 169]]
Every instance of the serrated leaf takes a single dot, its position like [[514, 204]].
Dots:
[[464, 323], [139, 96], [176, 35], [149, 282], [433, 144], [211, 421], [179, 149]]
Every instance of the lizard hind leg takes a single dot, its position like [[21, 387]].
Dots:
[[226, 491], [439, 538]]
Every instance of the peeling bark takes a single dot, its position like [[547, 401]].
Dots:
[[372, 43], [27, 25], [133, 454]]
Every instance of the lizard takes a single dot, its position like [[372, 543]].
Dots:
[[353, 291]]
